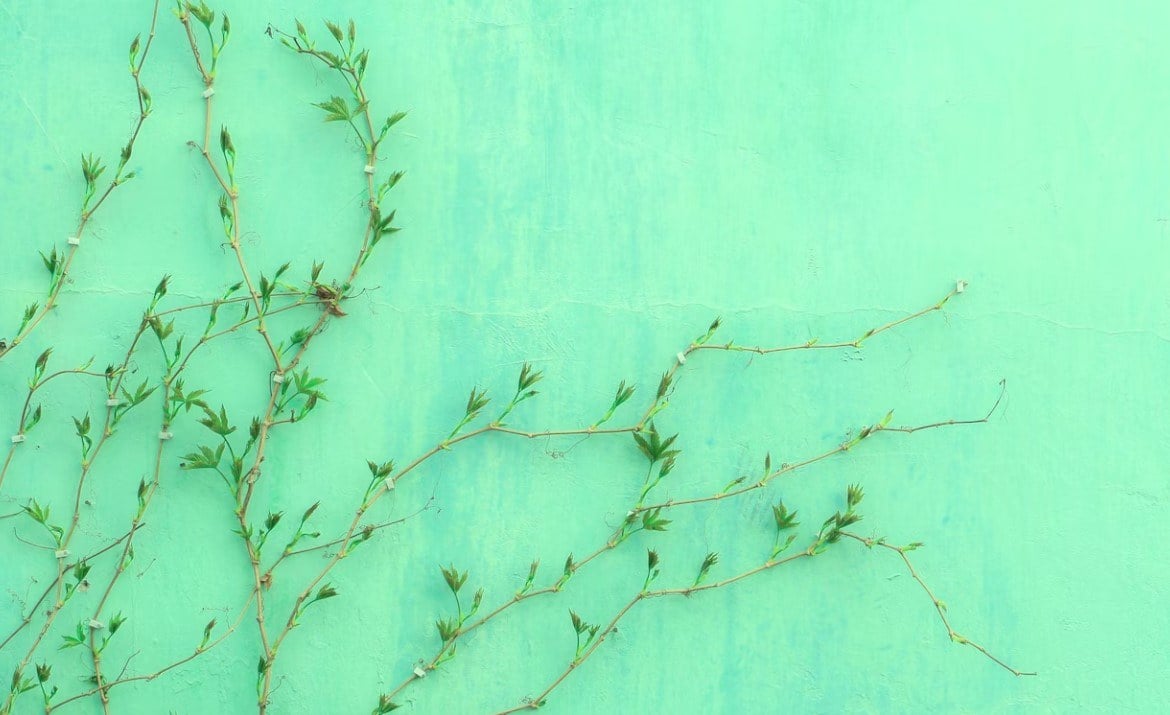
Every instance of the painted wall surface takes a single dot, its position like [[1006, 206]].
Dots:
[[588, 185]]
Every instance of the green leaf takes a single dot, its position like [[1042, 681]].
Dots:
[[202, 13], [227, 147], [41, 363], [82, 425], [331, 59], [384, 227], [710, 560], [643, 445], [454, 579], [161, 289], [710, 331], [33, 419], [140, 394], [853, 495], [664, 385], [531, 577], [448, 628], [336, 109], [390, 182], [570, 568], [205, 458], [623, 393], [733, 483], [217, 423], [392, 120], [579, 623], [655, 448], [91, 168], [363, 59], [51, 261], [77, 639], [784, 518], [206, 634], [36, 512], [651, 521], [528, 378], [477, 401]]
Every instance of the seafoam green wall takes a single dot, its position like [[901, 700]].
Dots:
[[588, 185]]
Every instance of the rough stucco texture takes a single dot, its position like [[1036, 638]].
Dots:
[[588, 185]]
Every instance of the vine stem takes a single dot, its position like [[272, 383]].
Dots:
[[270, 419], [87, 213], [94, 649], [939, 606], [844, 447], [262, 579], [615, 539], [63, 546], [235, 624], [538, 701], [126, 539], [25, 409], [52, 613]]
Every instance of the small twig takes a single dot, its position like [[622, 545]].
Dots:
[[844, 447], [109, 685], [939, 606], [539, 700], [87, 212]]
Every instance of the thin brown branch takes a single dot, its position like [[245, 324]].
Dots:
[[166, 668], [863, 434], [939, 606], [621, 534], [87, 212], [540, 700], [816, 345]]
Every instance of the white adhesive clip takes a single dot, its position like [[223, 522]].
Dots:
[[113, 402], [682, 359], [61, 553], [960, 286], [419, 672], [164, 435], [73, 240], [96, 625], [208, 92], [17, 438], [278, 377], [389, 483], [369, 168]]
